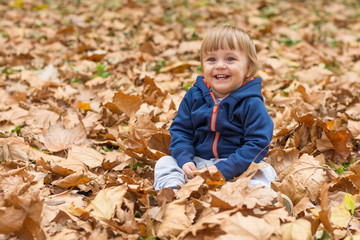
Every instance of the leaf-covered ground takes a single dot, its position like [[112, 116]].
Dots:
[[88, 92]]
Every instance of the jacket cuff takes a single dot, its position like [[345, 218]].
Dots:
[[229, 169], [183, 156]]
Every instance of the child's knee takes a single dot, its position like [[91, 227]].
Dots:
[[165, 162]]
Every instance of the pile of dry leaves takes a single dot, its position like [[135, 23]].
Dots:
[[88, 92]]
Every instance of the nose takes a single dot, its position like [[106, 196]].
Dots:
[[220, 64]]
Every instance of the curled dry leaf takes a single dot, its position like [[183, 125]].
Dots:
[[12, 156], [191, 186], [72, 180]]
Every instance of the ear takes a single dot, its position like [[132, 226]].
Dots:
[[248, 71]]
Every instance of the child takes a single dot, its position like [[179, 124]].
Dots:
[[222, 123]]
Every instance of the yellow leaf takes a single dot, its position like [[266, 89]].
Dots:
[[353, 237], [18, 3], [105, 202], [300, 229], [349, 202], [315, 212], [84, 106], [340, 216], [40, 7]]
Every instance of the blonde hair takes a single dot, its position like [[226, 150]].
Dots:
[[226, 36]]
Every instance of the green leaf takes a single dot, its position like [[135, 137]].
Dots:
[[74, 80], [349, 201], [17, 129], [106, 149], [134, 167], [186, 86]]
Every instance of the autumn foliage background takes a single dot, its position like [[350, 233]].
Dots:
[[89, 89]]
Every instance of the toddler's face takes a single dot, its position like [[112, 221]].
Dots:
[[225, 70]]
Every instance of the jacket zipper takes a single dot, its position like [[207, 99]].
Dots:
[[212, 127]]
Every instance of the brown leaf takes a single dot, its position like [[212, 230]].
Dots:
[[175, 219], [303, 178], [354, 112], [127, 104], [179, 66], [13, 156], [116, 161], [207, 225], [302, 206], [72, 180], [165, 195], [142, 127], [191, 186], [281, 159], [86, 155], [105, 202], [340, 141], [11, 219], [58, 138], [248, 228], [160, 141], [354, 128]]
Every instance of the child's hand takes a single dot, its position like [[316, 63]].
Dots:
[[189, 168]]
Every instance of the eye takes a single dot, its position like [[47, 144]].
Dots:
[[231, 59], [210, 59]]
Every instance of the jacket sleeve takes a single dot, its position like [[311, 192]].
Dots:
[[258, 130], [182, 132]]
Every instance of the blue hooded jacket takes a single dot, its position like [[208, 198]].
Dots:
[[238, 128]]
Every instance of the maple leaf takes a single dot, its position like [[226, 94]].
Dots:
[[105, 202], [72, 180], [57, 137], [175, 219]]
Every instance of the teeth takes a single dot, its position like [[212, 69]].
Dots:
[[221, 76]]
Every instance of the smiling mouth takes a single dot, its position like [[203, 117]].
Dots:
[[221, 76]]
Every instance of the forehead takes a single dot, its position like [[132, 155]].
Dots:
[[216, 43]]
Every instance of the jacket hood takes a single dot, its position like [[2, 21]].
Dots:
[[249, 89]]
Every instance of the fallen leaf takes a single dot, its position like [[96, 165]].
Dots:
[[175, 219], [11, 219], [105, 202], [72, 180], [300, 229], [58, 138], [340, 216], [249, 228], [88, 156], [191, 186], [127, 104]]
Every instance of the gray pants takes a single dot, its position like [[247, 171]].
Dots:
[[168, 174]]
